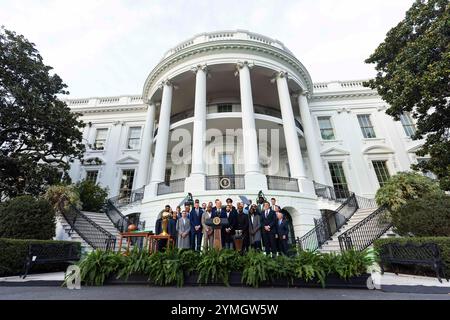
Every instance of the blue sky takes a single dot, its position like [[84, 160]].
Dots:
[[108, 47]]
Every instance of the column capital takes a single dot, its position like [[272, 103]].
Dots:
[[305, 93], [241, 64], [203, 67], [279, 75], [167, 82]]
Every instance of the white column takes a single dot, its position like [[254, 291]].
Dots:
[[162, 138], [294, 153], [196, 180], [312, 142], [254, 179], [146, 147]]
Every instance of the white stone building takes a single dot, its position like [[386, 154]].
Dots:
[[273, 130]]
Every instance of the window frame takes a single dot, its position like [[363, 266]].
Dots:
[[410, 125], [368, 127], [129, 131], [94, 144], [329, 117], [88, 171], [344, 191], [386, 167]]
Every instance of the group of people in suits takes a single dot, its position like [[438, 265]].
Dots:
[[258, 225]]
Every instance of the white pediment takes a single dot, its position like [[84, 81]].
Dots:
[[377, 149], [127, 160], [414, 149], [334, 152]]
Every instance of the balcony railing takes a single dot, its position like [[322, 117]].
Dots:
[[172, 186], [331, 193], [127, 197], [258, 109], [282, 183], [225, 182]]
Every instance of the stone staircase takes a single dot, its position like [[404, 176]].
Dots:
[[333, 244], [99, 218]]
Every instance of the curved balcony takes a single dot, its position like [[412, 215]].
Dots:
[[215, 108]]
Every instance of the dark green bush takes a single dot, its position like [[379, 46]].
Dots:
[[92, 196], [26, 217], [14, 251], [442, 242], [424, 217]]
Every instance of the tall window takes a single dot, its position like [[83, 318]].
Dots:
[[126, 183], [100, 139], [226, 164], [134, 137], [326, 129], [338, 178], [366, 126], [92, 175], [167, 175], [225, 108], [408, 124], [381, 171]]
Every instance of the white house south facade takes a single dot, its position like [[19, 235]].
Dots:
[[227, 114]]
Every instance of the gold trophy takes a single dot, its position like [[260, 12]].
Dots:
[[164, 222]]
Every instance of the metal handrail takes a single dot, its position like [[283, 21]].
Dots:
[[120, 221], [316, 237], [96, 236], [258, 109], [365, 232]]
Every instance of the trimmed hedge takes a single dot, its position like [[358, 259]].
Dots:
[[26, 217], [14, 251], [442, 242]]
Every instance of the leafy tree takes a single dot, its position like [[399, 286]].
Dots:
[[405, 186], [26, 217], [39, 136], [413, 75], [92, 196]]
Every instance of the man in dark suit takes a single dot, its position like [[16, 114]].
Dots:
[[195, 219], [260, 205], [217, 210], [228, 230], [241, 223], [268, 229], [282, 232]]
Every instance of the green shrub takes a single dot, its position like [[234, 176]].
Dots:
[[14, 251], [442, 242], [216, 265], [98, 265], [213, 266], [258, 268], [92, 196], [26, 217], [405, 186], [348, 264], [308, 266], [423, 217]]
